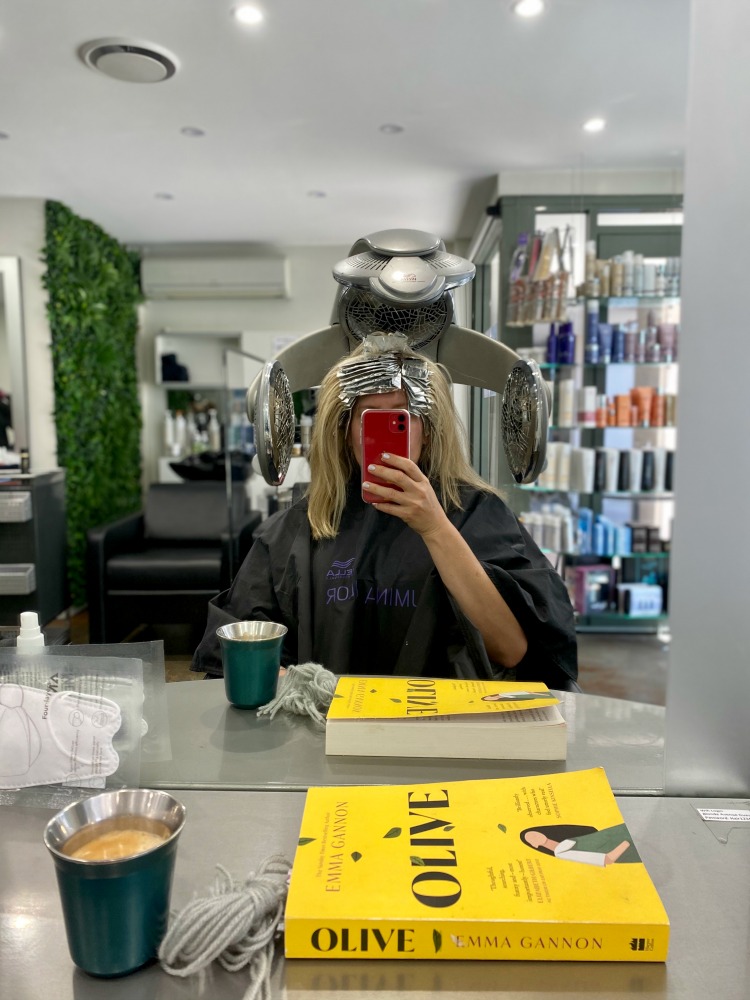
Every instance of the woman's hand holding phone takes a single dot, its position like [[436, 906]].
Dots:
[[383, 432], [390, 480]]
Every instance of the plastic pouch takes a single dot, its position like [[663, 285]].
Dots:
[[155, 745], [64, 730]]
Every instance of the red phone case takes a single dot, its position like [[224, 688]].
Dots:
[[382, 431]]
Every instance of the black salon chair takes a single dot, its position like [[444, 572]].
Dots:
[[163, 564]]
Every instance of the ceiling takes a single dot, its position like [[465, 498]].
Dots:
[[292, 150]]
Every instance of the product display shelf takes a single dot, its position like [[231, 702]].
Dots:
[[617, 621], [627, 300], [608, 494], [615, 301], [606, 365], [613, 557], [611, 427]]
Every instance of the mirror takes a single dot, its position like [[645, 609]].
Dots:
[[14, 423]]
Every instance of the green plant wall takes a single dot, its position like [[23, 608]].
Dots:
[[94, 290]]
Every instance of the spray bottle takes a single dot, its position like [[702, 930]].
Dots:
[[30, 637]]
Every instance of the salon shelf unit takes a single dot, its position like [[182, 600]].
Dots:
[[612, 378], [653, 507], [202, 353], [649, 225], [33, 567]]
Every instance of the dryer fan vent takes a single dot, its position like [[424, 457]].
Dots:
[[362, 313]]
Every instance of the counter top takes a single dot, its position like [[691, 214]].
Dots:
[[701, 879], [217, 746]]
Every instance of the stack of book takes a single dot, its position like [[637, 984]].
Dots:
[[445, 717]]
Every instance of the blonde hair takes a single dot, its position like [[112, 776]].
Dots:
[[332, 463]]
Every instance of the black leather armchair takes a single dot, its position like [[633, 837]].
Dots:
[[163, 564]]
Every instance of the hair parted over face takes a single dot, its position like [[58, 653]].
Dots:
[[443, 458]]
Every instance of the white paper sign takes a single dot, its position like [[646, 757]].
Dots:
[[726, 815]]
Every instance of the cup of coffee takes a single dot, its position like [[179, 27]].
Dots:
[[114, 857], [251, 656]]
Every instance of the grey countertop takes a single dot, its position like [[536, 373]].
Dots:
[[217, 746], [700, 870]]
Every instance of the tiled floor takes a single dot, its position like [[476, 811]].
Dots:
[[618, 666]]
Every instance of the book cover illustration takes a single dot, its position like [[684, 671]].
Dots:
[[359, 697], [540, 868]]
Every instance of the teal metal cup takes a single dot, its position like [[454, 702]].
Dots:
[[251, 656], [115, 911]]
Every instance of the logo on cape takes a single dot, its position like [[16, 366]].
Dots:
[[340, 569]]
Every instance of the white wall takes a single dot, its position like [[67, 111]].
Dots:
[[309, 308], [708, 749], [581, 180], [22, 235]]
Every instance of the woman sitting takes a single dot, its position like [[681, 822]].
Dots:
[[437, 578]]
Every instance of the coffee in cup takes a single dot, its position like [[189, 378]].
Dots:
[[114, 839], [114, 856]]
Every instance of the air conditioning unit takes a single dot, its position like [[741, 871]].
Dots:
[[215, 277]]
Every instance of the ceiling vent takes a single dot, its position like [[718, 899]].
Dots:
[[215, 277], [133, 62]]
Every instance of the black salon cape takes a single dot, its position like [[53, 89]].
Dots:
[[370, 601]]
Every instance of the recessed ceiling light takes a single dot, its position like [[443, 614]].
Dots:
[[192, 132], [247, 13], [316, 194], [540, 208], [391, 128], [594, 125], [528, 8], [164, 196]]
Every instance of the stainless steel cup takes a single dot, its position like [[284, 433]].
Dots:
[[116, 911], [251, 656]]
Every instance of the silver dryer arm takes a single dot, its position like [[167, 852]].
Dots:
[[306, 360], [474, 358], [471, 358]]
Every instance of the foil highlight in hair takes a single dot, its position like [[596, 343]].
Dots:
[[383, 368]]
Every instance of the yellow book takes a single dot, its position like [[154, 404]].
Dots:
[[539, 868], [445, 717]]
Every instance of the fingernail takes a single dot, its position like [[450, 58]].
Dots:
[[370, 468], [365, 486], [386, 455]]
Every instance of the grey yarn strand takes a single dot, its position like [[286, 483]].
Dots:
[[305, 689], [236, 924]]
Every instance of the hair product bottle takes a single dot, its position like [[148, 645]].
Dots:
[[214, 431], [30, 636]]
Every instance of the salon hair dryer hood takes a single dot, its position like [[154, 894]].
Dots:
[[403, 266], [400, 281]]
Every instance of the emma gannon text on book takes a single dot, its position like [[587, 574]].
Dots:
[[335, 865], [401, 941]]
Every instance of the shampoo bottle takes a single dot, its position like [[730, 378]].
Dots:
[[305, 432], [180, 434], [552, 345], [168, 432], [566, 344], [214, 431]]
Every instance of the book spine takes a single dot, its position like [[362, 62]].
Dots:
[[476, 940]]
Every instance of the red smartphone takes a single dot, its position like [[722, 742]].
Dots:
[[382, 431]]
